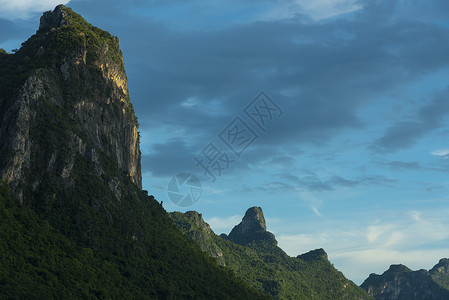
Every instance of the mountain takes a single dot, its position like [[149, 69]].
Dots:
[[74, 221], [252, 253], [252, 228], [440, 273], [399, 282], [70, 79]]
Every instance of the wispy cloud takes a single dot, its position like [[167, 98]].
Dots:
[[298, 244], [315, 10], [418, 241], [440, 152], [22, 9], [405, 133], [224, 224], [314, 183], [324, 9], [310, 199]]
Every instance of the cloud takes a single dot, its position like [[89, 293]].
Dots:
[[324, 9], [298, 244], [313, 183], [313, 114], [8, 30], [384, 235], [440, 152], [168, 159], [315, 210], [320, 73], [224, 224], [23, 9], [13, 33], [439, 166], [427, 118], [357, 265], [374, 233], [404, 165], [419, 240], [309, 11], [311, 200]]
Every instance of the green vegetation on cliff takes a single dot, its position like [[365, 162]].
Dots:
[[87, 244], [401, 283], [266, 267]]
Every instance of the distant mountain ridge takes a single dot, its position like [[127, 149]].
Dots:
[[401, 283], [252, 253]]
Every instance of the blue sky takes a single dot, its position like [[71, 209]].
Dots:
[[357, 163]]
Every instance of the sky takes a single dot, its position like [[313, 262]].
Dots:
[[331, 115]]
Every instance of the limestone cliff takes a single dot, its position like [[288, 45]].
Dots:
[[65, 95]]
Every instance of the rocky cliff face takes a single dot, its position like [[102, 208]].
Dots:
[[441, 267], [440, 273], [54, 19], [399, 282], [252, 228], [195, 228], [67, 97]]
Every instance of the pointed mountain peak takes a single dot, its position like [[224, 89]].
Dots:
[[55, 19], [252, 228], [253, 220]]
